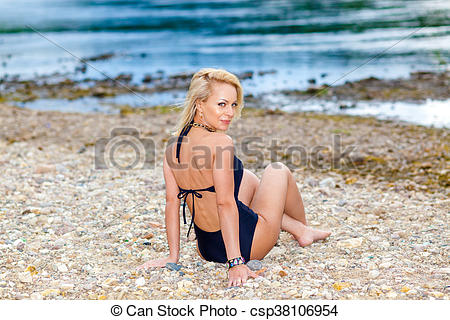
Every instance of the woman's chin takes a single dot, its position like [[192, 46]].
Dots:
[[223, 127]]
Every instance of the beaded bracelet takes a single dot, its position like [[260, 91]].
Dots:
[[236, 261]]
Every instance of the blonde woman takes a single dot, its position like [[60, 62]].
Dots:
[[236, 216]]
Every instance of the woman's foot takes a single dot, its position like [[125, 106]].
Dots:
[[308, 235], [303, 234]]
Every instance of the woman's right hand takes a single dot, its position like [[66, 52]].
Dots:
[[156, 263], [239, 274]]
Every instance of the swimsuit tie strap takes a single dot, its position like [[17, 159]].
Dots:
[[183, 194]]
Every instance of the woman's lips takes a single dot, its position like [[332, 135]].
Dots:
[[226, 121]]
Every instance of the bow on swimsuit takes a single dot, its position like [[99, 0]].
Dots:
[[210, 244]]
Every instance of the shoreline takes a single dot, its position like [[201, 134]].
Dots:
[[420, 85], [74, 232], [418, 99]]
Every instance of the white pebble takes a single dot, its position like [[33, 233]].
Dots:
[[374, 274], [140, 281]]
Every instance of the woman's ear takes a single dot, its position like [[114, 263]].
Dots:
[[199, 106]]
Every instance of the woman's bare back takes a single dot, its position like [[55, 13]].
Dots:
[[195, 172]]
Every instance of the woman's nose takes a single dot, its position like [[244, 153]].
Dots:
[[229, 111]]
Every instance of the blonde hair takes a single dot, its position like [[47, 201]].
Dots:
[[201, 88]]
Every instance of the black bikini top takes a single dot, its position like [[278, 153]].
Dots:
[[183, 194]]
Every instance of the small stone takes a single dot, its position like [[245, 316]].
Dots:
[[25, 277], [342, 202], [444, 270], [411, 292], [327, 182], [61, 168], [36, 296], [82, 149], [185, 284], [62, 267], [19, 244], [66, 286], [148, 236], [306, 294], [110, 282], [32, 270], [254, 265], [391, 294], [282, 273], [371, 266], [351, 243], [437, 294], [86, 268], [45, 168], [404, 289], [327, 295], [292, 292], [173, 266], [50, 292], [395, 236], [341, 285], [374, 274], [140, 281], [311, 182]]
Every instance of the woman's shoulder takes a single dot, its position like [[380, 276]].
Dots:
[[219, 139]]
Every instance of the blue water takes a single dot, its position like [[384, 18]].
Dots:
[[328, 40]]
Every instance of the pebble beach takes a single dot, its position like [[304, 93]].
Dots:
[[71, 231]]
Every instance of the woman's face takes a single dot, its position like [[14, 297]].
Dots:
[[218, 110]]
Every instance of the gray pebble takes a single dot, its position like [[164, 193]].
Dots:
[[327, 182], [254, 265], [311, 182], [173, 266]]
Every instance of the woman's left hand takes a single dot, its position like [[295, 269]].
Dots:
[[239, 274]]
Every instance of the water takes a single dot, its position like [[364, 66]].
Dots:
[[320, 39]]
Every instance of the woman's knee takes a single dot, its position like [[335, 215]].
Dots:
[[277, 166]]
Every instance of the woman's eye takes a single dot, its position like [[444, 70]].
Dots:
[[222, 104]]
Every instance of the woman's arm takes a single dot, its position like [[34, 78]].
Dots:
[[223, 177], [172, 218], [172, 212]]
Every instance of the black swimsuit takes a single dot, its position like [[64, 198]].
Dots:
[[210, 244]]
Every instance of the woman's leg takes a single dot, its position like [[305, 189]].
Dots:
[[268, 202], [294, 202], [277, 194], [249, 184], [294, 209]]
